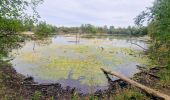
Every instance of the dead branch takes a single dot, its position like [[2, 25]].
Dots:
[[134, 83], [139, 46], [145, 71]]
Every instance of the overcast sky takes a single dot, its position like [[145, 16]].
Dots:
[[119, 13]]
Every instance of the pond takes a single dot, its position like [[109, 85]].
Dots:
[[64, 60]]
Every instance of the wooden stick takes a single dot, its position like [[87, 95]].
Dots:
[[144, 88]]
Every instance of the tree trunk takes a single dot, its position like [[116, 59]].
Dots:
[[134, 83]]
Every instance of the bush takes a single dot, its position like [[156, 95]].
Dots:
[[44, 29]]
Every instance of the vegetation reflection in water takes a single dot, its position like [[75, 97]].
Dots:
[[55, 62]]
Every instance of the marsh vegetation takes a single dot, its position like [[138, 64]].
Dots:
[[78, 65], [43, 61]]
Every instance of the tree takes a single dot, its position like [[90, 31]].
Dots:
[[158, 18], [16, 8], [43, 29], [12, 16]]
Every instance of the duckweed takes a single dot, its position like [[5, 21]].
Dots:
[[55, 61]]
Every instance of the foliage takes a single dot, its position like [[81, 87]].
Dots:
[[88, 28], [132, 31], [36, 96], [12, 16], [16, 8], [93, 97], [93, 30], [44, 29], [28, 24], [8, 40], [130, 94], [159, 30]]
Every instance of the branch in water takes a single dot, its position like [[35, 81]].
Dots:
[[139, 46]]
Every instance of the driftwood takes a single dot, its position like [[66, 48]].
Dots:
[[134, 83]]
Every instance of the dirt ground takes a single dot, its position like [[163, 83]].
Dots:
[[14, 86]]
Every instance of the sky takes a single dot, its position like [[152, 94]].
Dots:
[[71, 13]]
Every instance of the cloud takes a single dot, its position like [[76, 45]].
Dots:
[[97, 12]]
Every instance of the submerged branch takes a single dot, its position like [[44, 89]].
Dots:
[[139, 46]]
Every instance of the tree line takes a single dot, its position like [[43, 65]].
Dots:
[[42, 28], [91, 29]]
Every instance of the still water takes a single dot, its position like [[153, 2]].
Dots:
[[77, 64]]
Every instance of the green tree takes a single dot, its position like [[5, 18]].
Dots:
[[43, 29], [158, 18], [12, 15]]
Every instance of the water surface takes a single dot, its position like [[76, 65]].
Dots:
[[77, 64]]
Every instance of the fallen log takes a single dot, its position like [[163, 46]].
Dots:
[[134, 83]]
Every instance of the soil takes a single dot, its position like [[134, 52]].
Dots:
[[16, 86]]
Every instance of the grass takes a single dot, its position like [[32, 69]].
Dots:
[[130, 94], [124, 94], [164, 77], [36, 96]]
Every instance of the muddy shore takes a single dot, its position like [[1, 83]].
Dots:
[[25, 87]]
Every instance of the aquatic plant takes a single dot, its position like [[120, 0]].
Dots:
[[55, 61]]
